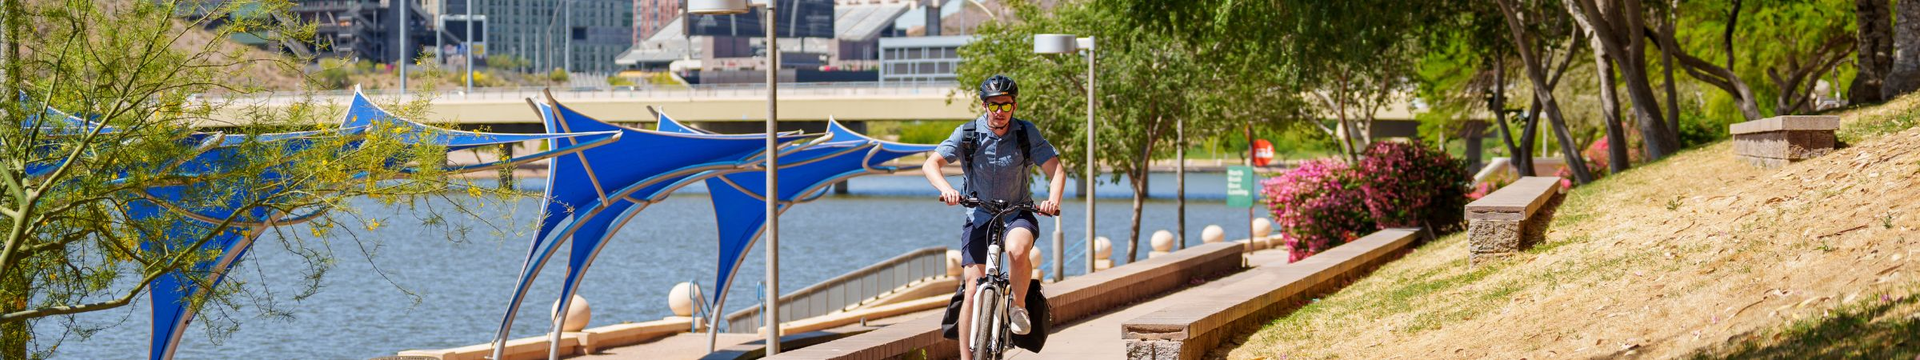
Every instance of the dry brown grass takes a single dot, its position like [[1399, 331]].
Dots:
[[1698, 256]]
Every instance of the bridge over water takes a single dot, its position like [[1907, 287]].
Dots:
[[721, 107]]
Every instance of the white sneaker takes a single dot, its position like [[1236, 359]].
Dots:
[[1019, 323]]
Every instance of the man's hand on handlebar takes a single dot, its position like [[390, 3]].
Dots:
[[1048, 207], [951, 197]]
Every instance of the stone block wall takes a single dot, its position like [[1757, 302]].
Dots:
[[1777, 141]]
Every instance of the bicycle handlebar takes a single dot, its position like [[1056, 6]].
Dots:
[[1001, 206]]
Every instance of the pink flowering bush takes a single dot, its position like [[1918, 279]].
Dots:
[[1598, 157], [1410, 185], [1317, 206], [1325, 203]]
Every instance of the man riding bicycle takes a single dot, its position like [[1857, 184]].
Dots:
[[997, 153]]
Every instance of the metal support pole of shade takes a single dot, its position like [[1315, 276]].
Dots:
[[731, 7]]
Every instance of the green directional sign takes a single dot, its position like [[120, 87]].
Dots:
[[1240, 185]]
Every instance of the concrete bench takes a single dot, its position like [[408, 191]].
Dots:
[[1192, 328], [1511, 219], [1776, 141], [1071, 300]]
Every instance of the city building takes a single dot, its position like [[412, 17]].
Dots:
[[651, 15], [849, 45], [363, 29], [577, 35]]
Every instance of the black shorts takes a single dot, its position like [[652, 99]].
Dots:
[[973, 238]]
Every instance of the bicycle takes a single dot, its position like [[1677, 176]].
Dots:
[[992, 296]]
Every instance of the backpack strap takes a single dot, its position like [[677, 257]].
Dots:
[[969, 142], [1026, 149]]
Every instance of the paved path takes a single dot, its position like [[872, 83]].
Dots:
[[1094, 338], [1099, 337], [687, 346]]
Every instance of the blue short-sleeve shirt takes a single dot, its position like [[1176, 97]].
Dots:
[[998, 171]]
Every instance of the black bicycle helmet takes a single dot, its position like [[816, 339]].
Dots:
[[998, 85]]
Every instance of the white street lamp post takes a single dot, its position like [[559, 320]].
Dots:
[[1062, 44], [400, 15], [729, 7], [466, 44]]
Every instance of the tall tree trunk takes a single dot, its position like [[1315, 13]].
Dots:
[[1668, 47], [1517, 155], [1543, 92], [1905, 76], [1139, 181], [1180, 182], [14, 335], [1610, 112], [1622, 41], [1874, 52], [14, 297]]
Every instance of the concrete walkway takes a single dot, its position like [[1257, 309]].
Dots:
[[689, 346], [1099, 337]]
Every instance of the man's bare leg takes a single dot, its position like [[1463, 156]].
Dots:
[[1019, 242], [970, 273]]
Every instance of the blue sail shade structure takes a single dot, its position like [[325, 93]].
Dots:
[[193, 222], [600, 189], [739, 202], [364, 113]]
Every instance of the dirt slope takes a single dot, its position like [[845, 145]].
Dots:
[[1696, 256]]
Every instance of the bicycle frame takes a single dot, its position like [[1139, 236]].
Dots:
[[992, 297]]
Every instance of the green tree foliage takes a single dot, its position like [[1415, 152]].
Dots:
[[70, 243], [1790, 44], [1146, 84]]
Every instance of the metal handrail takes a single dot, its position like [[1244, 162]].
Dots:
[[691, 91], [846, 290]]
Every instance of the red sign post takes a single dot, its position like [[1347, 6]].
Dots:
[[1262, 152]]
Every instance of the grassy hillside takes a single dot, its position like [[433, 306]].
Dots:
[[1697, 256]]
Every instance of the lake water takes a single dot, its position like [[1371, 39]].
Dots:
[[406, 286]]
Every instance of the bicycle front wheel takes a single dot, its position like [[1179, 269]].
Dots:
[[984, 314]]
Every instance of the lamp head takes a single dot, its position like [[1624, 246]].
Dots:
[[717, 7], [1054, 44]]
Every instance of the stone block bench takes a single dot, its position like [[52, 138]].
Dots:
[[1189, 329], [1073, 299], [1511, 219], [1776, 141]]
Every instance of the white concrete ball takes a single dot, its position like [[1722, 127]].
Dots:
[[577, 314], [1163, 240], [1213, 234]]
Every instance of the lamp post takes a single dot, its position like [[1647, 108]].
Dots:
[[400, 16], [1062, 44], [466, 44], [730, 7]]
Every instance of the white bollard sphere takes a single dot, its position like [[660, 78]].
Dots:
[[1034, 258], [1213, 234], [1102, 248], [1162, 241], [681, 299], [953, 262], [1262, 227], [577, 314]]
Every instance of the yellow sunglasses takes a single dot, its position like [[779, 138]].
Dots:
[[1001, 107]]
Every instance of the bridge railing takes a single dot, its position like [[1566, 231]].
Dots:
[[849, 289], [628, 92]]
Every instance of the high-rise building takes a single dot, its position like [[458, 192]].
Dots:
[[650, 15], [579, 35]]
